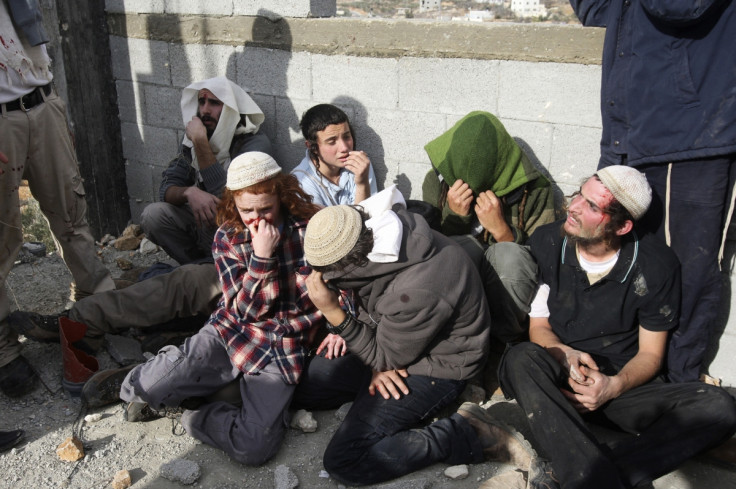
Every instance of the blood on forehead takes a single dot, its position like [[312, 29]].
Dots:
[[205, 95]]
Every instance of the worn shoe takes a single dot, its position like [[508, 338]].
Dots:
[[36, 326], [17, 378], [541, 476], [103, 388], [136, 412], [9, 439], [500, 442]]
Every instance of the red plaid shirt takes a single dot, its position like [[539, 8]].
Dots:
[[265, 314]]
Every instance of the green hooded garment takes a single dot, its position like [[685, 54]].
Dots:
[[479, 151]]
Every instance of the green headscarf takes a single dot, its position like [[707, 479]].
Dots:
[[478, 150]]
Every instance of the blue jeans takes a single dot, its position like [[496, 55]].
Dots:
[[383, 439]]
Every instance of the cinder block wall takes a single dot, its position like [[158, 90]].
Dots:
[[402, 83]]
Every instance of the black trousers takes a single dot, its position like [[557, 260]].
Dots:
[[668, 423]]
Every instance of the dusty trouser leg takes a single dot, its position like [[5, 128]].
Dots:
[[55, 182], [184, 292], [699, 193], [378, 440], [14, 127], [201, 367], [174, 229], [509, 274], [534, 378]]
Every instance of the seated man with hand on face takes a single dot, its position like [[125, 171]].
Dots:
[[332, 172]]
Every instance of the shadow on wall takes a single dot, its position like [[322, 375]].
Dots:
[[262, 70]]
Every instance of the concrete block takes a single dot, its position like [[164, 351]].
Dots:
[[402, 135], [275, 72], [148, 144], [535, 138], [550, 92], [373, 81], [131, 101], [163, 106], [140, 60], [575, 153], [267, 105], [200, 7], [138, 176], [195, 62], [409, 178], [135, 6], [125, 351], [448, 86], [286, 8]]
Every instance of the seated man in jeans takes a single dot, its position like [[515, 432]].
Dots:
[[599, 325], [422, 339]]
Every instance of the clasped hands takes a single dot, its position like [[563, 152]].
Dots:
[[589, 388], [488, 208]]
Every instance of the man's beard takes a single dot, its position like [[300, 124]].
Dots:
[[205, 119], [606, 236]]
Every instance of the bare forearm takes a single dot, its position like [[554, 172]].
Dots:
[[205, 156], [362, 192], [639, 370], [176, 195], [540, 332]]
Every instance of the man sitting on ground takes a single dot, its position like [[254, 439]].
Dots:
[[599, 325], [221, 123], [422, 339], [332, 172]]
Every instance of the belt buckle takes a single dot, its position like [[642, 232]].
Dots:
[[22, 105]]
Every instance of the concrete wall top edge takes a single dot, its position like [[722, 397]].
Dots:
[[372, 38]]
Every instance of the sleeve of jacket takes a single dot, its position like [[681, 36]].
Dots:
[[179, 173], [681, 12], [592, 13], [409, 323]]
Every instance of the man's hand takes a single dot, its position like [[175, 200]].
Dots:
[[265, 237], [579, 364], [489, 210], [203, 204], [334, 346], [324, 299], [460, 198], [196, 130], [389, 384], [598, 390], [358, 164]]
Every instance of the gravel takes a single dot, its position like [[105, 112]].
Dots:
[[49, 416]]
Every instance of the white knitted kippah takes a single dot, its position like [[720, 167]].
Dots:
[[250, 168], [331, 234], [629, 186]]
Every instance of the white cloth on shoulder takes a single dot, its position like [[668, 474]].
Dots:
[[235, 102], [385, 224]]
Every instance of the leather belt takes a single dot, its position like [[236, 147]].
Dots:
[[30, 100]]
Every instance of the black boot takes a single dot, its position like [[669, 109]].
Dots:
[[17, 378]]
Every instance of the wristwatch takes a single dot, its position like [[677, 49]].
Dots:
[[342, 326]]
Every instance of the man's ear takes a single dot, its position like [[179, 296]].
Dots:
[[306, 143], [627, 226]]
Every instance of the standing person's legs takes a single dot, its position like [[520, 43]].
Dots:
[[16, 376], [54, 180], [174, 229], [534, 378], [698, 201], [378, 440], [672, 423]]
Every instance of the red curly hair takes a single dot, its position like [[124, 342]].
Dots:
[[294, 200]]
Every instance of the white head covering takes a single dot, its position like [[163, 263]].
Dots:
[[235, 102]]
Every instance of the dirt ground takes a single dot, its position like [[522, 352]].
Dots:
[[49, 415]]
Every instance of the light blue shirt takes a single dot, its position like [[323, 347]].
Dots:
[[323, 191]]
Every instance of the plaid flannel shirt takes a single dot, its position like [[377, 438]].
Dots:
[[265, 314]]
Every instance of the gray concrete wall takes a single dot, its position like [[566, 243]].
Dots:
[[401, 82]]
